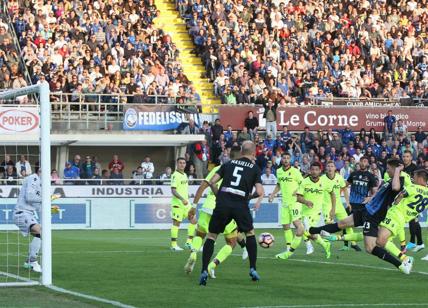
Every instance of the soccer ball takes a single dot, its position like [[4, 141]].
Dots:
[[266, 240]]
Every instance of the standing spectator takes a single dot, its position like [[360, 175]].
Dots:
[[401, 128], [347, 135], [346, 170], [268, 178], [116, 163], [77, 162], [420, 135], [252, 124], [217, 130], [10, 176], [285, 134], [71, 174], [190, 129], [389, 122], [358, 155], [148, 168], [201, 156], [116, 176], [270, 116], [306, 140], [87, 168], [23, 165], [243, 135], [336, 142]]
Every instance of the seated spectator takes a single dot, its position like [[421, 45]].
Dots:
[[191, 174], [105, 177], [243, 135], [116, 176], [96, 177], [252, 124], [148, 168], [55, 179], [166, 176], [6, 162], [23, 165], [71, 174], [10, 176], [268, 178], [116, 163], [87, 168], [138, 176]]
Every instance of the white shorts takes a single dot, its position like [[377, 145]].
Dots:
[[24, 220]]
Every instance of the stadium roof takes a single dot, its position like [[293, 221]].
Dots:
[[103, 139]]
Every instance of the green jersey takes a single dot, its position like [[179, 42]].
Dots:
[[180, 182], [338, 182], [414, 202], [315, 191], [209, 203], [289, 181]]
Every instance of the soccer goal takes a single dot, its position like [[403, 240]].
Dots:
[[24, 114]]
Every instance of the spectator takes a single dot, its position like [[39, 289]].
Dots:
[[243, 135], [166, 176], [347, 135], [252, 124], [217, 130], [116, 163], [10, 176], [191, 174], [306, 140], [336, 142], [190, 129], [420, 135], [71, 174], [346, 170], [389, 121], [285, 134], [358, 155], [96, 177], [6, 162], [116, 176], [138, 176], [201, 155], [148, 168], [105, 177], [87, 168], [268, 178], [401, 128], [55, 179], [270, 116], [23, 165]]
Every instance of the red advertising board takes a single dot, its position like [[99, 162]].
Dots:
[[296, 118]]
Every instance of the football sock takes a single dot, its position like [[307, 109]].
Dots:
[[207, 253], [190, 232], [241, 243], [295, 243], [331, 228], [412, 229], [222, 255], [356, 237], [34, 248], [288, 234], [174, 235], [196, 243], [251, 245], [346, 231], [418, 232], [393, 250], [320, 241], [384, 255]]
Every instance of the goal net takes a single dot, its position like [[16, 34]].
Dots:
[[24, 148]]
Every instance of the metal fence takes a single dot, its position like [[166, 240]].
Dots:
[[13, 181]]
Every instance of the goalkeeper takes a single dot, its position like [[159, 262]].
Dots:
[[24, 216]]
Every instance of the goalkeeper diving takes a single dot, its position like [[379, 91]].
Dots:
[[25, 215]]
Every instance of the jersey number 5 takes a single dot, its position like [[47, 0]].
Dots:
[[237, 176], [420, 204]]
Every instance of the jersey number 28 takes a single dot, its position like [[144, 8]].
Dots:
[[420, 204], [237, 176]]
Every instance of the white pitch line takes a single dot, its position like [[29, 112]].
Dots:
[[90, 297], [345, 305], [339, 263]]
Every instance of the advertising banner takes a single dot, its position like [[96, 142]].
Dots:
[[19, 120], [158, 117], [296, 118]]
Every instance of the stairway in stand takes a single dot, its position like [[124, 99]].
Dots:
[[171, 23]]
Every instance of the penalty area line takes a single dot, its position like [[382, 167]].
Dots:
[[340, 263], [345, 305], [90, 297]]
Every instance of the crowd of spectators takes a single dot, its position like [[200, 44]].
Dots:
[[316, 48], [96, 47]]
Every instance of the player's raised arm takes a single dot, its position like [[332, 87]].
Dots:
[[396, 183]]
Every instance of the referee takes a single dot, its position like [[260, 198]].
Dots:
[[239, 177]]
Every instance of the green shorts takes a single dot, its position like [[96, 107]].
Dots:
[[394, 221], [311, 217], [290, 213], [340, 213], [204, 221], [180, 213]]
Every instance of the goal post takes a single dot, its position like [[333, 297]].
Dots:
[[43, 92]]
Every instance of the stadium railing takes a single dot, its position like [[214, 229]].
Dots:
[[96, 182]]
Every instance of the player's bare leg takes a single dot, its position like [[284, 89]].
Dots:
[[34, 249], [297, 240]]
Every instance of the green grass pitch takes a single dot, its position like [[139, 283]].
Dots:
[[136, 268]]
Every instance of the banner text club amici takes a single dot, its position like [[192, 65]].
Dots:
[[158, 117], [296, 118]]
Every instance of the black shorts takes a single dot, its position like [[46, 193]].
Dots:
[[224, 213], [358, 211], [371, 225]]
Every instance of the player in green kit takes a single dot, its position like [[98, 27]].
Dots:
[[409, 204], [230, 232], [180, 205], [311, 194], [339, 185], [289, 179]]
